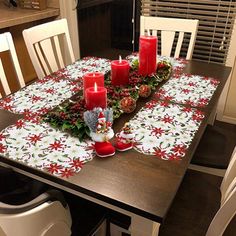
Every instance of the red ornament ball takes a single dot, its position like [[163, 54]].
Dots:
[[127, 104], [144, 91]]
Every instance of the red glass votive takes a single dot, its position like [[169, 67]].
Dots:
[[89, 79], [120, 72], [147, 55], [96, 97]]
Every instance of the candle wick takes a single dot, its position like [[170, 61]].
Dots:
[[120, 59]]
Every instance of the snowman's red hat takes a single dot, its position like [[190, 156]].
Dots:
[[101, 116]]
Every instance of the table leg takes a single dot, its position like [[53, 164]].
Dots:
[[143, 227]]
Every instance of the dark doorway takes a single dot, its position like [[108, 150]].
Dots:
[[105, 27]]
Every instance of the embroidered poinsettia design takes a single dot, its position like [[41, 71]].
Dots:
[[165, 130], [42, 147], [188, 89]]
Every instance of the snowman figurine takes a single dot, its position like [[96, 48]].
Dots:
[[125, 139]]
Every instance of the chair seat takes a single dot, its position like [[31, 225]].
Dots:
[[87, 216], [194, 206], [216, 146]]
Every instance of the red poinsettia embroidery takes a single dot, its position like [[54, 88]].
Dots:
[[7, 107], [197, 118], [57, 145], [2, 148], [180, 149], [2, 137], [168, 98], [54, 168], [76, 163], [187, 109], [50, 90], [34, 138], [160, 153], [167, 119], [150, 105], [191, 84], [164, 103], [174, 156], [204, 100], [186, 91], [199, 113], [214, 82], [66, 173], [43, 110], [36, 98], [20, 124], [157, 131], [7, 99], [189, 102]]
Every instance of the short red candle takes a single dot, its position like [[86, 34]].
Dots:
[[89, 79], [147, 55], [96, 97], [120, 72]]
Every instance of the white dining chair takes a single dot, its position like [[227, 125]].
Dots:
[[46, 215], [204, 205], [7, 44], [46, 43], [171, 29], [198, 200]]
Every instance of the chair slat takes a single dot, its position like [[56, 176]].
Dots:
[[59, 54], [41, 59], [3, 78], [47, 49], [167, 37], [179, 44]]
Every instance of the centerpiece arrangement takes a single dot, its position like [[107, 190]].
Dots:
[[118, 90]]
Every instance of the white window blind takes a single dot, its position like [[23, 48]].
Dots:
[[216, 21]]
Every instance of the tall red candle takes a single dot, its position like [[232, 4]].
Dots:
[[96, 97], [89, 79], [120, 72], [147, 55]]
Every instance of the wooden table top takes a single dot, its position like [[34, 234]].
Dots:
[[144, 185]]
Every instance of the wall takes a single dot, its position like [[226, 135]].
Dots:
[[226, 110]]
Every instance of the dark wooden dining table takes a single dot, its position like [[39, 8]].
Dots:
[[138, 186]]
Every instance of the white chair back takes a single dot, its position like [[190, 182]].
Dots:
[[224, 215], [45, 46], [169, 28], [230, 174], [50, 218], [6, 44]]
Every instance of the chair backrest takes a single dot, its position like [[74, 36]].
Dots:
[[44, 44], [230, 174], [224, 215], [170, 28], [6, 44]]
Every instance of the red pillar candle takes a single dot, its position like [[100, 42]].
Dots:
[[96, 97], [147, 55], [89, 79], [120, 72]]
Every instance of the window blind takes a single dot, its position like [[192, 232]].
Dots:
[[216, 21]]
